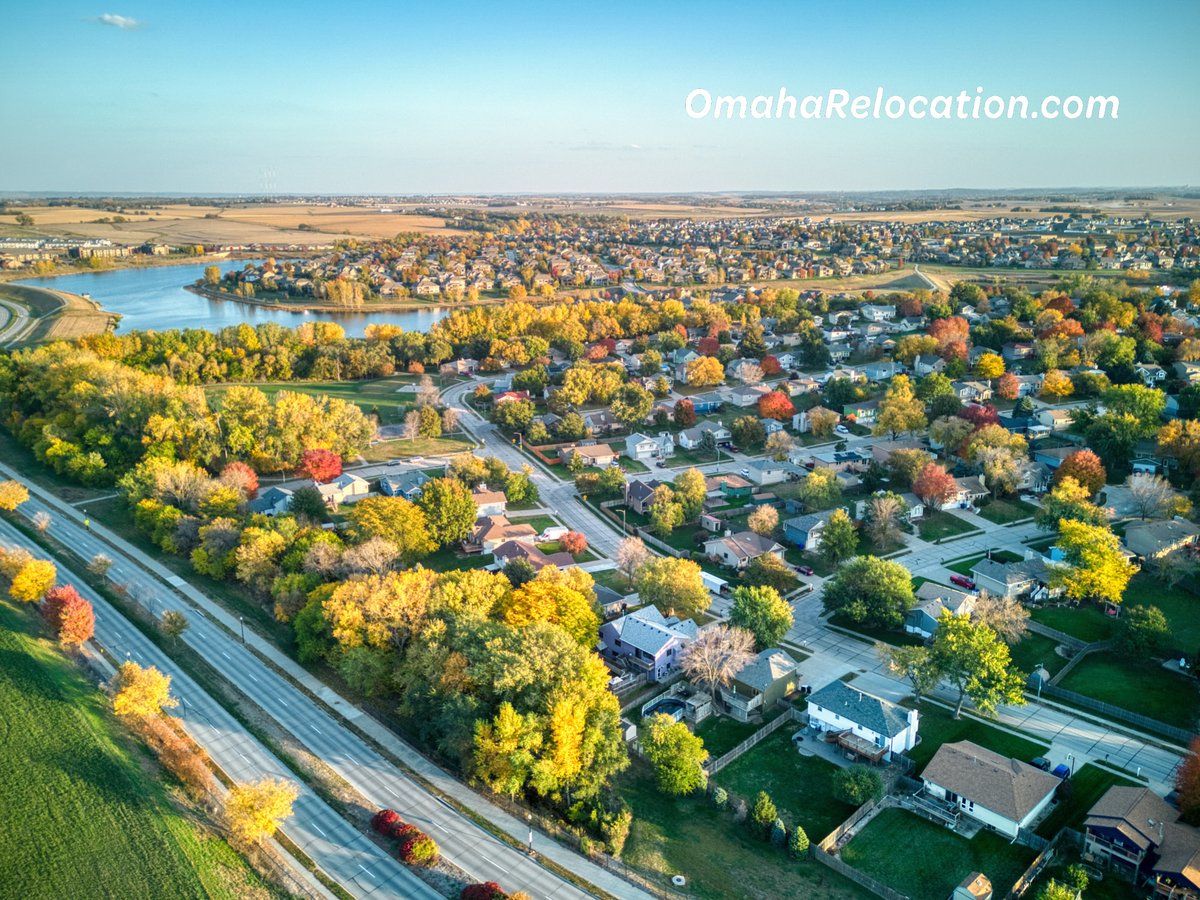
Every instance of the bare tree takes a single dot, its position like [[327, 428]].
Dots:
[[41, 520], [748, 373], [371, 557], [427, 392], [883, 520], [779, 445], [323, 559], [99, 565], [412, 424], [449, 420], [716, 656], [1151, 495], [1006, 616], [631, 554], [173, 624], [763, 520]]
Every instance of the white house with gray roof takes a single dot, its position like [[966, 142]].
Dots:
[[866, 725], [768, 677], [933, 600]]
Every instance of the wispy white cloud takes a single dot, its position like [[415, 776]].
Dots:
[[117, 21]]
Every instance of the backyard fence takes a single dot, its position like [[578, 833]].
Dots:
[[1117, 714], [1030, 875], [790, 714], [830, 842], [1077, 659], [1062, 637], [661, 546], [861, 878]]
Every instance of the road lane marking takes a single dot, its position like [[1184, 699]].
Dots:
[[365, 869], [318, 827], [314, 727], [494, 863]]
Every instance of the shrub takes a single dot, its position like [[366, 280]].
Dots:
[[720, 798], [857, 785], [487, 890], [402, 831], [739, 810], [764, 814], [418, 850], [616, 830], [778, 832], [798, 844], [386, 821]]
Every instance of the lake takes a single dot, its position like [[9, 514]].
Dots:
[[152, 298]]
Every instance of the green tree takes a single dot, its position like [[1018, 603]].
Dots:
[[839, 540], [1142, 632], [974, 659], [763, 612], [1068, 500], [1095, 568], [914, 664], [449, 510], [763, 814], [871, 591], [666, 514], [690, 492], [632, 404], [798, 842], [505, 750], [858, 785], [900, 411], [676, 755], [820, 489]]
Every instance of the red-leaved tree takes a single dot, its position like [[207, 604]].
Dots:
[[1007, 386], [935, 486], [1085, 467], [320, 464], [685, 413], [69, 615], [240, 476], [386, 821], [573, 542], [770, 365], [776, 405], [980, 414], [708, 346], [487, 890], [1187, 782]]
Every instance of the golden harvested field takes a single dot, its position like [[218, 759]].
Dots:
[[264, 223]]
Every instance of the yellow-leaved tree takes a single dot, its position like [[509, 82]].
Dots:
[[141, 692], [253, 811]]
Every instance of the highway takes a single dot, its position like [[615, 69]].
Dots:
[[376, 778], [349, 857]]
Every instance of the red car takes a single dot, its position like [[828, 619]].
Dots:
[[804, 570], [962, 581]]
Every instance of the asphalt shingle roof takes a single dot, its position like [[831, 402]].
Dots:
[[870, 712]]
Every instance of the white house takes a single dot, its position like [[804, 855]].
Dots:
[[866, 725], [1003, 794], [765, 471], [932, 600], [691, 438], [737, 550], [489, 503], [346, 488], [642, 447]]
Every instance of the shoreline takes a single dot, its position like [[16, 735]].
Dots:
[[50, 315], [212, 294]]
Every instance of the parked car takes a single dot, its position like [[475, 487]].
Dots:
[[1040, 762], [842, 429], [963, 582], [805, 570], [661, 464], [745, 473]]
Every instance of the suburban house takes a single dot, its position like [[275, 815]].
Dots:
[[489, 503], [971, 490], [748, 395], [407, 485], [346, 488], [737, 550], [1054, 456], [927, 365], [765, 471], [1138, 834], [862, 411], [707, 403], [693, 438], [884, 370], [768, 677], [492, 531], [866, 725], [526, 550], [647, 641], [602, 422], [682, 358], [1055, 419], [642, 447], [1151, 540], [1003, 794], [806, 531], [913, 507], [1026, 577], [271, 502], [933, 600], [599, 455], [639, 494], [730, 486], [802, 421]]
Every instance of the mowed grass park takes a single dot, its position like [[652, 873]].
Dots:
[[81, 808]]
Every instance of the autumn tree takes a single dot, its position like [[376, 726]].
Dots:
[[394, 519], [631, 555], [684, 413], [1085, 468], [820, 489], [12, 495], [69, 615], [915, 664], [763, 612], [255, 810], [870, 591], [779, 445], [449, 510], [1006, 616], [141, 693], [573, 542], [935, 486], [900, 412], [1095, 568], [764, 520], [673, 585], [704, 371], [676, 755], [1008, 387], [839, 539], [239, 476], [1179, 439], [505, 750], [776, 405], [906, 464], [716, 656], [822, 421], [666, 513], [690, 492], [1068, 500], [989, 366], [320, 464], [950, 432], [173, 624], [973, 658], [30, 580]]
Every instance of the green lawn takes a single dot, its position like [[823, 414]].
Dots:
[[689, 836], [614, 580], [1034, 649], [403, 448], [79, 803], [1084, 622], [1002, 512], [801, 786], [896, 637], [964, 566], [1111, 888], [1141, 686], [382, 396], [721, 734], [1087, 786], [941, 525], [541, 523], [938, 726], [884, 849], [1181, 607]]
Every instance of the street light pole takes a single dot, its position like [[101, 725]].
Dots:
[[242, 620], [529, 816]]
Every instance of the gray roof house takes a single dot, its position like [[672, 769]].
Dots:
[[933, 600], [406, 484], [866, 725], [271, 502], [1013, 579], [1151, 540], [647, 641], [768, 677]]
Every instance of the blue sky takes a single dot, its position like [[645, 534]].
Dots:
[[131, 95]]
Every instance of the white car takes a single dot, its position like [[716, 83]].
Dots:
[[745, 473], [842, 429]]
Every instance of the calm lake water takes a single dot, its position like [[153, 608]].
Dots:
[[153, 298]]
